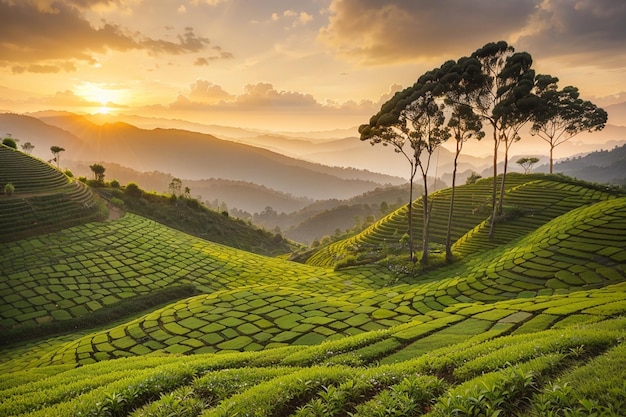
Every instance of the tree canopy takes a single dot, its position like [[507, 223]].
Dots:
[[98, 172], [563, 114]]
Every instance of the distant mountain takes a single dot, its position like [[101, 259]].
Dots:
[[216, 192], [603, 166], [42, 136], [617, 113], [197, 156], [323, 217]]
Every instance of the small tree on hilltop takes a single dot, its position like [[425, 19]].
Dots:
[[98, 172], [175, 186], [474, 176], [28, 147], [56, 151], [527, 163]]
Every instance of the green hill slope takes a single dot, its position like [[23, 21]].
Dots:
[[44, 199], [530, 201], [130, 317], [252, 302]]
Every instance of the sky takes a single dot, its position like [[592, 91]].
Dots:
[[286, 65]]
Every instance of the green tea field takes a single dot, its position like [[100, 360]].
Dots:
[[129, 317]]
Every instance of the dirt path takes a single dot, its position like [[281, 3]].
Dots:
[[114, 212]]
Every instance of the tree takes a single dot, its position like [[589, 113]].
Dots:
[[427, 132], [187, 193], [474, 176], [98, 172], [465, 124], [175, 186], [412, 123], [28, 147], [518, 107], [56, 151], [527, 163], [563, 114], [501, 96], [133, 190]]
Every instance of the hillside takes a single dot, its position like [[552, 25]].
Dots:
[[531, 200], [196, 156], [44, 199], [129, 317], [190, 216], [242, 195]]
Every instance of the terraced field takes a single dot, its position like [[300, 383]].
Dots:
[[44, 199], [535, 199], [129, 317]]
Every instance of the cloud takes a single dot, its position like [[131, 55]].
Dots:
[[580, 32], [55, 35], [203, 92], [591, 32], [204, 95], [265, 95], [296, 18], [374, 32]]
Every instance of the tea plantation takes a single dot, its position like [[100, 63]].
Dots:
[[130, 317]]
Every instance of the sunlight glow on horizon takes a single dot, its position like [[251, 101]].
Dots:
[[100, 93]]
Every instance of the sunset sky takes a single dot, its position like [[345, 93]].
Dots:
[[284, 64]]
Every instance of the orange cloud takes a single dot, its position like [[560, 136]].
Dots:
[[376, 32], [58, 32]]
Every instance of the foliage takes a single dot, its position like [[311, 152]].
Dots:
[[98, 172], [527, 163], [56, 152], [28, 147], [9, 189], [473, 178], [9, 142], [562, 114]]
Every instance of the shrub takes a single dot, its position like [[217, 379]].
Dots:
[[69, 173], [9, 189], [117, 202], [115, 184], [133, 190], [9, 142]]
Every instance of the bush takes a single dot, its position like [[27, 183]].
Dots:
[[133, 190], [115, 184], [9, 189], [69, 173], [117, 202], [9, 142]]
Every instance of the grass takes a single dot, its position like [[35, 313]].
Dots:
[[526, 325]]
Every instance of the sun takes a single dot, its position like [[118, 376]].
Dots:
[[100, 95]]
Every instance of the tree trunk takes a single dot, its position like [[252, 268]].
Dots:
[[424, 260], [495, 179], [450, 213], [551, 153], [410, 214], [502, 184]]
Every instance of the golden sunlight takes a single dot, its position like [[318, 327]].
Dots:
[[99, 93]]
